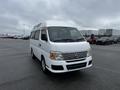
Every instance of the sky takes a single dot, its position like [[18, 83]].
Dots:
[[19, 15]]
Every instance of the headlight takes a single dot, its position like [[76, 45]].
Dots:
[[89, 53], [56, 55]]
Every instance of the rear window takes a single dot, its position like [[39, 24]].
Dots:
[[32, 36], [37, 33]]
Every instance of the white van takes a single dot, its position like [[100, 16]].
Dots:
[[60, 47]]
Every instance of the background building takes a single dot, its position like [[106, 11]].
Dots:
[[108, 32], [89, 32]]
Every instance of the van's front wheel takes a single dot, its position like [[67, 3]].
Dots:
[[43, 66]]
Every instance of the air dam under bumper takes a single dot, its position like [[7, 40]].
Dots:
[[63, 66]]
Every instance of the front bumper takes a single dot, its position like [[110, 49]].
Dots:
[[64, 66]]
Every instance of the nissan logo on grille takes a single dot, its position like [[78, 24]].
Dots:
[[76, 55]]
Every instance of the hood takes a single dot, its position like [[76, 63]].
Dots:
[[70, 47]]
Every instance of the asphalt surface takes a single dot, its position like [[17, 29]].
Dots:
[[19, 72]]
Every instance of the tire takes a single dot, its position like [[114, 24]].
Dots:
[[43, 66], [32, 54]]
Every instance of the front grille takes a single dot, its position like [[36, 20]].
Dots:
[[76, 66], [75, 55]]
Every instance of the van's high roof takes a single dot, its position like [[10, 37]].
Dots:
[[51, 23], [60, 23]]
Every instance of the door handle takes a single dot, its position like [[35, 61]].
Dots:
[[39, 45]]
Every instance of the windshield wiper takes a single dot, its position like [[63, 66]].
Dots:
[[64, 40], [80, 39], [69, 40]]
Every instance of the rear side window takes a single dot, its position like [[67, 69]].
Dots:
[[32, 35], [37, 33]]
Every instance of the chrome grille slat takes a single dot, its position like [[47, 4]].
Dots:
[[75, 55]]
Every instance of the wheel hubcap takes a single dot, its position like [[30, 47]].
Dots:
[[43, 65]]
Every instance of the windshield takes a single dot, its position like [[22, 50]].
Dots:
[[64, 34]]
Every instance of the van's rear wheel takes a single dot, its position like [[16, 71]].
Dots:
[[43, 65], [32, 54]]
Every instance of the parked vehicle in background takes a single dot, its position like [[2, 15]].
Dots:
[[115, 39], [104, 41], [118, 39], [18, 37], [60, 47], [26, 37]]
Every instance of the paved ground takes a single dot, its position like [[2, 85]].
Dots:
[[19, 72]]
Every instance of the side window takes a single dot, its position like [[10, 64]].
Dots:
[[32, 35], [37, 33], [44, 35]]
